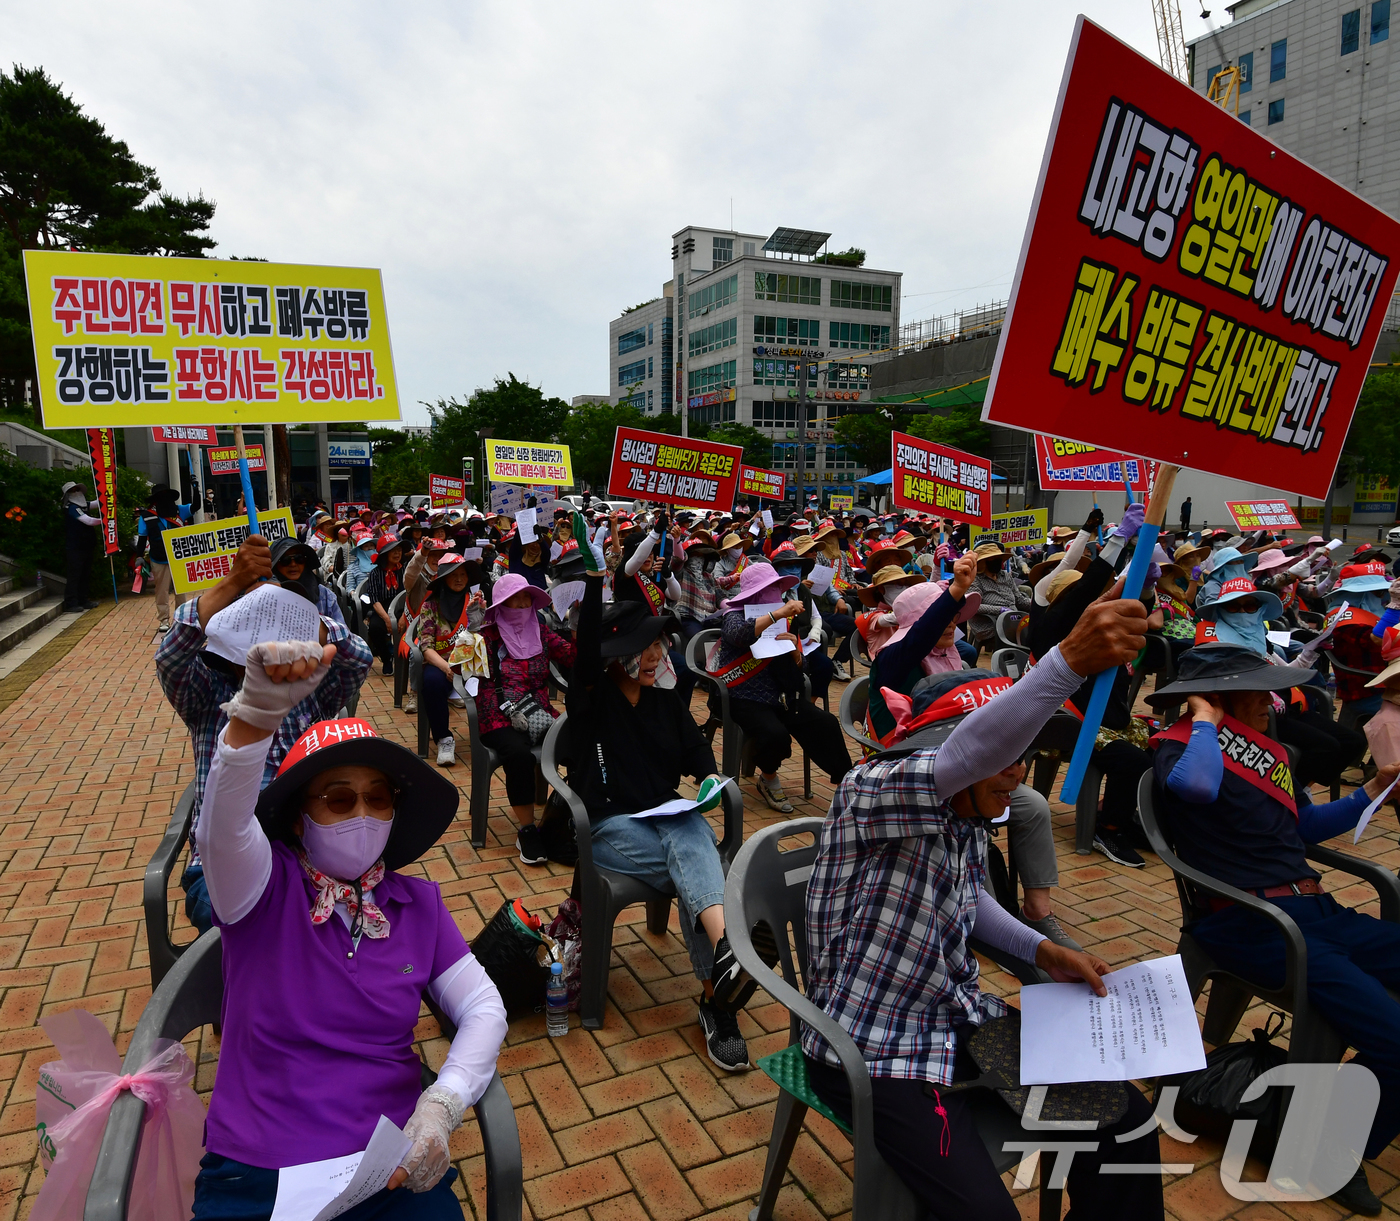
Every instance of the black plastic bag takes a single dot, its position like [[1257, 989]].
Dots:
[[1209, 1101], [517, 956]]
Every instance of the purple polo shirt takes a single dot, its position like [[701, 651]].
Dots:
[[316, 1044]]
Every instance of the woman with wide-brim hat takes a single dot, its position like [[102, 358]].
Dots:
[[381, 587], [999, 589], [876, 625], [798, 560], [328, 951], [765, 693], [701, 586], [448, 609], [824, 546]]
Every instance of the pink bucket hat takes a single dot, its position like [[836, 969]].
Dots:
[[1271, 561], [910, 605], [507, 587], [759, 582]]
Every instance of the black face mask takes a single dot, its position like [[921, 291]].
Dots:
[[308, 585], [994, 567]]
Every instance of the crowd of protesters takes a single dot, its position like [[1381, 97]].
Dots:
[[605, 606]]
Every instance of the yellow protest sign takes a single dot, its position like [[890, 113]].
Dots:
[[124, 339], [528, 462], [1018, 528], [841, 502], [201, 556]]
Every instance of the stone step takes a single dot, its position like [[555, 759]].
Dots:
[[17, 628], [14, 603], [6, 584]]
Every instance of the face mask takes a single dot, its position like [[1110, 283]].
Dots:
[[733, 553], [1243, 629], [78, 498], [347, 849], [789, 570]]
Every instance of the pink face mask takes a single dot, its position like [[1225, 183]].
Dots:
[[347, 849]]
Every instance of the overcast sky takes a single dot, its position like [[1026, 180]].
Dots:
[[517, 170]]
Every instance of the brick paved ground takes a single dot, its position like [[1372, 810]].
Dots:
[[630, 1122]]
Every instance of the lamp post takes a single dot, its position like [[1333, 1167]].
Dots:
[[484, 434]]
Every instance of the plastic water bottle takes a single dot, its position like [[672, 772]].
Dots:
[[556, 999]]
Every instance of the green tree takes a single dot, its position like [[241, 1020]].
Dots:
[[758, 448], [401, 467], [589, 432], [512, 409], [961, 428], [1373, 442], [66, 183], [867, 435]]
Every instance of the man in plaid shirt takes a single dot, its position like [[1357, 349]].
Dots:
[[196, 683], [896, 892]]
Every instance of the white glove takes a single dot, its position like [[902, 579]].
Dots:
[[261, 702], [887, 619], [1301, 568], [438, 1112]]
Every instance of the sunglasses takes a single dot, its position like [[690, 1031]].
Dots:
[[342, 799]]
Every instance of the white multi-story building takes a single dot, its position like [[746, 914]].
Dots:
[[640, 354], [1317, 78]]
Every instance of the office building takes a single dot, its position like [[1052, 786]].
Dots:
[[640, 353], [1317, 78]]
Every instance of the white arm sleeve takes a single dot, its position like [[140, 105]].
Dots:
[[1001, 930], [673, 589], [816, 632], [1070, 559], [465, 993], [1112, 549], [89, 521], [237, 857], [641, 555]]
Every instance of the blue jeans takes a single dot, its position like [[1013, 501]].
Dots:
[[968, 652], [226, 1190], [198, 910], [676, 853]]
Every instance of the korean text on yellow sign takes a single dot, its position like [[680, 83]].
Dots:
[[1020, 528], [201, 556], [123, 339], [528, 462], [842, 502]]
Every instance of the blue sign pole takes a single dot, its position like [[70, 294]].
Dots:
[[248, 502]]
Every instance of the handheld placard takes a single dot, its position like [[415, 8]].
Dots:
[[1132, 587], [248, 502]]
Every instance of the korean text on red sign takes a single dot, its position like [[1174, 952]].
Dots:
[[343, 510], [1186, 289], [444, 491], [756, 481], [102, 449], [185, 434], [225, 461], [1262, 514], [1068, 465], [929, 478], [673, 470]]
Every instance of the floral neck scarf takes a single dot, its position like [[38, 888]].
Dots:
[[330, 891]]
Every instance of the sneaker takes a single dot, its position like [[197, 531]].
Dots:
[[1048, 926], [410, 701], [1355, 1197], [773, 795], [447, 752], [455, 699], [722, 1038], [388, 669], [161, 628], [1116, 847], [840, 673], [531, 845], [733, 985]]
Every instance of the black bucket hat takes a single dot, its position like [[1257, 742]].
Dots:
[[1225, 668], [309, 583], [628, 628], [423, 810]]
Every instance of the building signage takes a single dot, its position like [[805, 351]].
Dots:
[[348, 453], [1374, 494]]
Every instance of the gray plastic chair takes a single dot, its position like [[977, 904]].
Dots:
[[1006, 632], [1011, 662], [855, 699], [162, 950], [190, 996], [769, 886], [484, 762], [603, 894]]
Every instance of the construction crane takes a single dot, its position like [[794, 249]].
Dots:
[[1171, 41]]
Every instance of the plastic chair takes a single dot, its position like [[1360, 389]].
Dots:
[[191, 996], [1007, 630], [162, 950], [1011, 662], [602, 893], [769, 886], [855, 700], [1312, 1039], [484, 762], [396, 609]]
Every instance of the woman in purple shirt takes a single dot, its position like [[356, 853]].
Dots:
[[327, 952]]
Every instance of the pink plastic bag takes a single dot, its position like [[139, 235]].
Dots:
[[72, 1102]]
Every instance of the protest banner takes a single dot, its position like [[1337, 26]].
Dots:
[[445, 491], [674, 470], [1374, 494], [929, 478], [528, 462], [185, 434], [102, 449], [510, 498], [224, 460], [201, 556], [1071, 466], [1018, 528], [123, 339], [845, 503], [1262, 515], [1187, 289], [1311, 515], [766, 484], [344, 510]]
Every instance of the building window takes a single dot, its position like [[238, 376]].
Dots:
[[767, 372], [712, 377], [634, 398], [775, 413], [1380, 20], [649, 334], [713, 413], [631, 341], [1246, 117], [786, 332], [750, 249], [628, 374], [784, 456], [723, 252], [1278, 60], [1351, 31], [847, 377], [795, 290], [839, 459], [846, 294], [1276, 111], [1246, 71], [717, 335], [651, 399], [1211, 75], [714, 296], [650, 370], [859, 335]]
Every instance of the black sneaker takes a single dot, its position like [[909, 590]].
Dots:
[[531, 845], [1355, 1197], [1115, 846], [733, 985], [722, 1038]]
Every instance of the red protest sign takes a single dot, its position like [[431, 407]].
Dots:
[[444, 491], [1187, 290], [756, 481], [102, 449], [344, 510], [185, 434], [1070, 466], [673, 470], [1262, 515], [929, 478], [225, 461]]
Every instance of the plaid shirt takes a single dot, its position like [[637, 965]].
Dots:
[[195, 692], [890, 905], [700, 590]]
